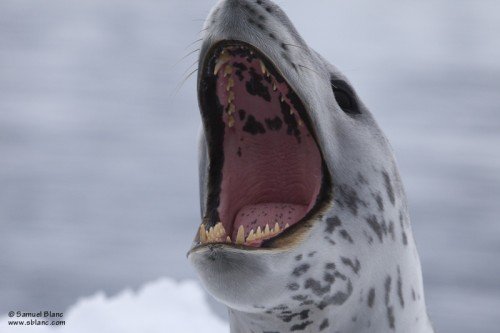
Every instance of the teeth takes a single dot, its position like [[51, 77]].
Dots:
[[230, 120], [223, 59], [267, 231], [251, 236], [274, 86], [287, 226], [258, 234], [282, 98], [213, 235], [240, 237], [203, 234], [228, 239], [228, 70], [230, 97], [301, 123], [277, 228], [231, 109], [230, 84], [263, 67]]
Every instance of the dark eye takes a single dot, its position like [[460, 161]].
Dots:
[[345, 97]]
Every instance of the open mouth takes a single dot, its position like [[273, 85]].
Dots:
[[266, 174]]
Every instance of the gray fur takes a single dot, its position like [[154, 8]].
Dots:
[[363, 245]]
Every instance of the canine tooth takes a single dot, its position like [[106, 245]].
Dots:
[[240, 237], [274, 86], [228, 239], [267, 231], [251, 236], [262, 67], [203, 234], [282, 98], [287, 226], [218, 66], [277, 228]]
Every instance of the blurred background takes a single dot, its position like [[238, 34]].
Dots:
[[98, 170]]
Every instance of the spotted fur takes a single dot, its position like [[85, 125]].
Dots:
[[356, 269]]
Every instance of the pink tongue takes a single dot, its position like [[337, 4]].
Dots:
[[253, 216]]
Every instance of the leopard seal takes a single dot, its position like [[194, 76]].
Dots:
[[305, 225]]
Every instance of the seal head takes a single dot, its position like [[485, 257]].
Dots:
[[305, 225]]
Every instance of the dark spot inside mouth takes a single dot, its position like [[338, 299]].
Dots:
[[274, 124], [253, 126], [290, 121], [255, 86]]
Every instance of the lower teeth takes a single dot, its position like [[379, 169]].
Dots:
[[217, 234]]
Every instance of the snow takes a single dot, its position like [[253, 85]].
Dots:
[[161, 306]]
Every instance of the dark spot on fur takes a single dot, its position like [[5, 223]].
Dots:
[[387, 289], [338, 299], [403, 233], [332, 223], [375, 225], [345, 235], [355, 266], [300, 298], [324, 324], [253, 126], [329, 278], [298, 257], [388, 187], [298, 271], [349, 197], [284, 46], [390, 317], [413, 296], [400, 289], [391, 230], [371, 297], [330, 265], [274, 124], [293, 286], [316, 287], [380, 202], [301, 327], [311, 254], [390, 310]]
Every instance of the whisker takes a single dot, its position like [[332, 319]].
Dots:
[[189, 68], [191, 44], [184, 57], [179, 86], [312, 70], [300, 47]]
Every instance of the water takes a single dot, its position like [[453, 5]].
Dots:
[[98, 187]]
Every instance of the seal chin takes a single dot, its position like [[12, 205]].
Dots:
[[267, 179], [224, 272]]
